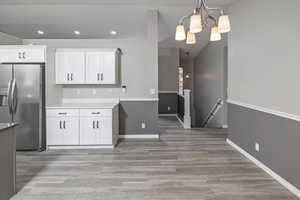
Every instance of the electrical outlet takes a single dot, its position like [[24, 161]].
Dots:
[[143, 125], [78, 91], [94, 91], [169, 108], [257, 147]]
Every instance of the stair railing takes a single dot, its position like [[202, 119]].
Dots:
[[213, 112]]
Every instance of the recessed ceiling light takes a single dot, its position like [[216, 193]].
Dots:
[[40, 32], [77, 32], [113, 32]]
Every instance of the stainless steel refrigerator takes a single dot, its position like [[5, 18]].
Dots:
[[22, 100]]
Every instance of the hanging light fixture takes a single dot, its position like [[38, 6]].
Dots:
[[224, 24], [180, 33], [199, 20], [215, 35], [196, 24], [191, 38]]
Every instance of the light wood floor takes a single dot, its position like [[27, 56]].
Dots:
[[182, 165]]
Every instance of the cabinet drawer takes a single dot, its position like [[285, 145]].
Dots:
[[62, 112], [95, 112]]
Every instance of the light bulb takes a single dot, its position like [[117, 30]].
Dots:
[[196, 24], [191, 38], [224, 24], [215, 35], [180, 33]]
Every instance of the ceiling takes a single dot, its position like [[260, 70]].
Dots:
[[96, 18]]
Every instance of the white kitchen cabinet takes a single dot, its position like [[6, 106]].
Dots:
[[96, 131], [95, 66], [62, 131], [82, 127], [70, 67], [22, 54], [101, 67]]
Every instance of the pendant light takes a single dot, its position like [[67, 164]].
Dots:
[[196, 24], [215, 35], [180, 33], [191, 38], [224, 24], [200, 19]]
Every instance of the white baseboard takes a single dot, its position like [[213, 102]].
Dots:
[[140, 136], [80, 147], [167, 115], [278, 178]]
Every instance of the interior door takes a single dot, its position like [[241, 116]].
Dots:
[[29, 83], [109, 68], [5, 78]]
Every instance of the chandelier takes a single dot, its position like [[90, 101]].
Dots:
[[199, 20]]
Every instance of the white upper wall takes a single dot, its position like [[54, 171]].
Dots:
[[264, 49]]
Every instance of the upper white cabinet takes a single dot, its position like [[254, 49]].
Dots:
[[86, 66], [22, 54], [70, 67]]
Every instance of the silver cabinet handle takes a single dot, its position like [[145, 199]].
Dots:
[[64, 124], [24, 53], [68, 77], [97, 124], [101, 76], [98, 76], [93, 124], [71, 76], [62, 113], [60, 125], [95, 113], [20, 55]]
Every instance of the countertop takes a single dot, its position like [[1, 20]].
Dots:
[[4, 126], [83, 105]]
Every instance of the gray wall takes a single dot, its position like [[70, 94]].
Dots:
[[168, 103], [6, 39], [168, 62], [210, 82], [134, 113], [278, 138], [264, 71]]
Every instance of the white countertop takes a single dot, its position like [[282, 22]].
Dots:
[[83, 105]]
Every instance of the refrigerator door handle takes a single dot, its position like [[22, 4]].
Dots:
[[14, 96], [9, 100]]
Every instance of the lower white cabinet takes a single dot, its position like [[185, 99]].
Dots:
[[82, 127], [95, 131], [63, 131]]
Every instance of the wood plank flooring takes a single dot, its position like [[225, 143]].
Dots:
[[182, 165]]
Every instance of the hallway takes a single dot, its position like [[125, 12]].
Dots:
[[183, 164]]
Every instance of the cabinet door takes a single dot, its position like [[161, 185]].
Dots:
[[109, 68], [90, 131], [70, 67], [96, 131], [22, 55], [105, 126], [94, 67], [62, 131]]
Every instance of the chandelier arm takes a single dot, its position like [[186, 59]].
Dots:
[[213, 19], [184, 18]]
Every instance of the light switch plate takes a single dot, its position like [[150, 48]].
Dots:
[[94, 91], [78, 91], [143, 125]]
